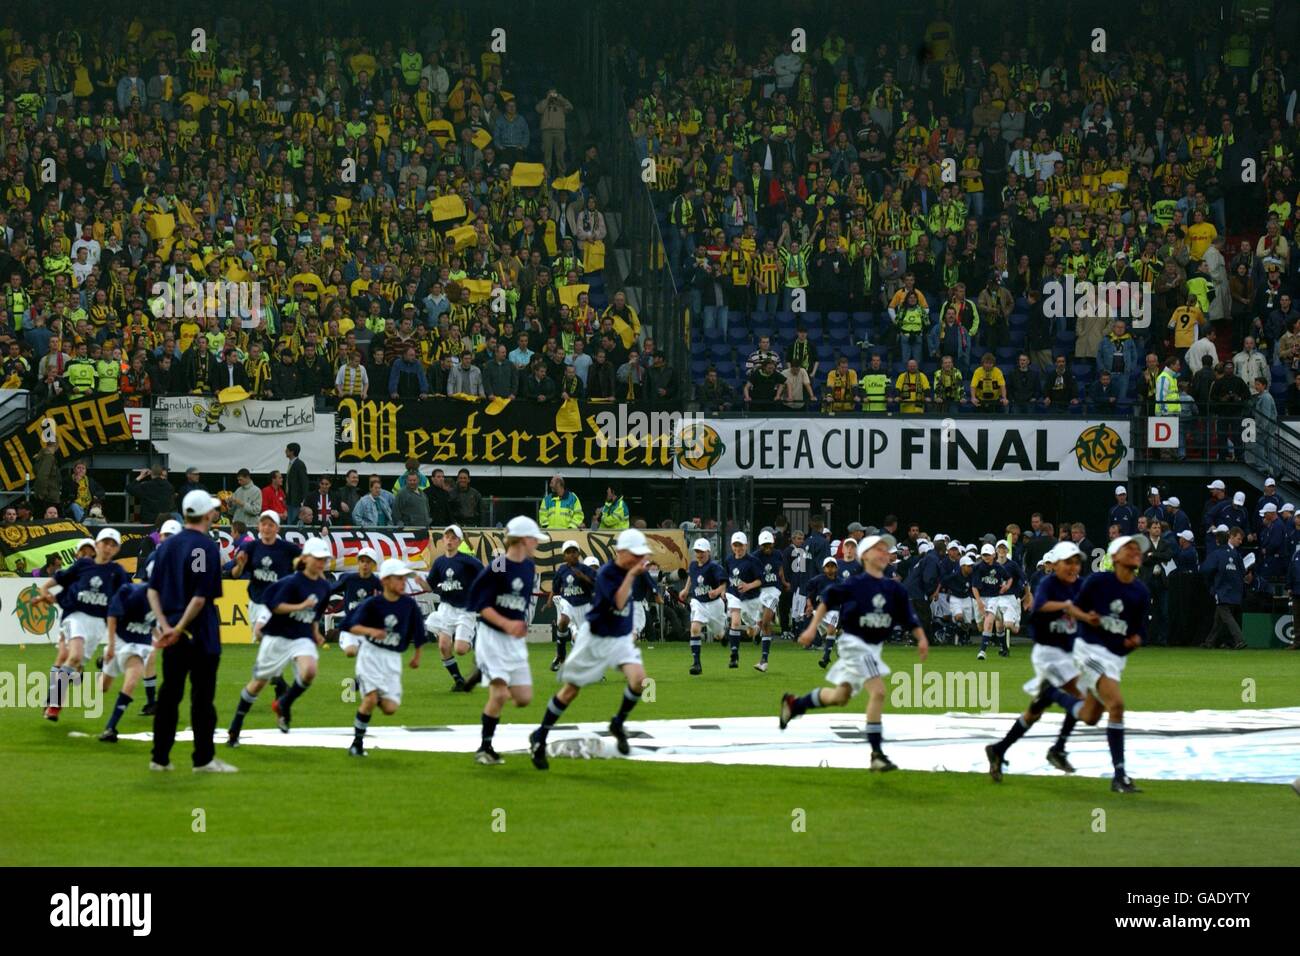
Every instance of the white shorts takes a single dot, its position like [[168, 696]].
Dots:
[[1095, 662], [961, 608], [577, 614], [124, 652], [457, 623], [711, 614], [830, 622], [1009, 605], [638, 616], [857, 663], [939, 607], [257, 612], [1052, 665], [798, 606], [379, 671], [592, 656], [348, 639], [502, 657], [275, 653], [92, 630], [770, 598], [749, 609]]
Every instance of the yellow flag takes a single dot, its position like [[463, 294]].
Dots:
[[496, 406], [481, 138], [568, 419], [569, 294], [160, 226], [186, 216], [463, 237], [442, 131], [479, 289], [236, 393], [527, 174], [571, 183], [448, 208]]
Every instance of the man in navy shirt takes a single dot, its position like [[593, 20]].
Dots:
[[604, 642], [1054, 620], [870, 607], [922, 581], [502, 597], [1121, 603], [452, 622], [388, 622], [1123, 513], [183, 592], [706, 583], [130, 647], [1226, 574]]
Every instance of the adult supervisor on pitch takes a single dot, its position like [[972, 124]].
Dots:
[[183, 591]]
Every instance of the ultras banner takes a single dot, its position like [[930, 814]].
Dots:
[[512, 434], [952, 449], [79, 427]]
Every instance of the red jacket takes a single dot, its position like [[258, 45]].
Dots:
[[273, 500]]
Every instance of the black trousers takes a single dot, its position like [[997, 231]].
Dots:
[[186, 659], [1225, 622]]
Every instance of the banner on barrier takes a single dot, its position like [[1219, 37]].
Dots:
[[515, 434], [79, 427], [219, 453], [950, 449], [25, 547], [189, 414], [668, 549]]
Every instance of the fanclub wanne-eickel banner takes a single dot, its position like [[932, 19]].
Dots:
[[80, 427], [954, 449]]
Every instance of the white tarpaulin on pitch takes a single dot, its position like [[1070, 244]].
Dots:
[[952, 449]]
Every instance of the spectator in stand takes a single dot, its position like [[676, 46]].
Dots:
[[988, 387], [798, 385], [411, 509], [537, 386], [613, 514], [349, 493], [375, 508], [153, 493], [1103, 395], [500, 376], [714, 395], [1062, 392], [296, 482], [1117, 355], [466, 502], [601, 380], [630, 379], [764, 387], [406, 380], [273, 497], [246, 500], [1022, 386]]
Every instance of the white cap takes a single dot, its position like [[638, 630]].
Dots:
[[591, 561], [109, 534], [851, 542], [370, 553], [273, 515], [1216, 485], [940, 537], [739, 538], [570, 544], [317, 548], [170, 527], [198, 503], [1239, 498], [875, 539], [1187, 536], [1064, 551], [1154, 491], [1269, 482], [1268, 509], [1144, 545], [765, 537], [702, 544], [394, 566], [1003, 544], [830, 559], [965, 561], [1287, 506], [82, 543], [1121, 490], [1223, 528], [1174, 503], [524, 527], [454, 529], [954, 545], [987, 549], [631, 539], [924, 547]]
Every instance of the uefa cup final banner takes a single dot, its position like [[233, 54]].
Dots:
[[948, 449]]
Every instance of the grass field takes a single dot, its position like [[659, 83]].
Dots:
[[69, 800]]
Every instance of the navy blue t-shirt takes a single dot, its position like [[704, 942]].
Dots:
[[354, 589], [798, 567], [959, 585], [506, 586], [846, 569], [605, 618], [871, 607], [771, 567], [135, 620], [986, 579], [816, 587], [1123, 610], [89, 586], [401, 620], [451, 578], [1055, 629], [188, 565], [568, 585], [704, 578], [743, 570], [1017, 575], [295, 589], [266, 564]]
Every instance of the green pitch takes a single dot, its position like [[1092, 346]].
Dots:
[[74, 800]]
